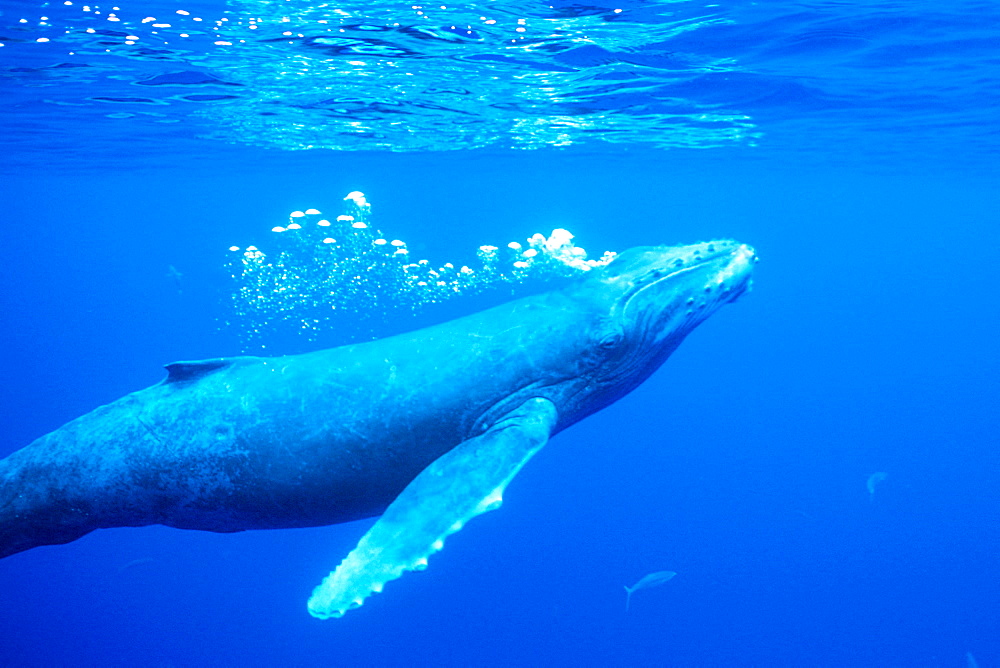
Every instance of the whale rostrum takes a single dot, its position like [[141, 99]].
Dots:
[[425, 429]]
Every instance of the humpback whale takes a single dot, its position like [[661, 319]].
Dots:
[[425, 428]]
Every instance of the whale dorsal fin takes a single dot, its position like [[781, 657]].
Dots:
[[466, 481], [178, 372]]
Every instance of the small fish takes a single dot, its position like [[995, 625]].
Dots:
[[874, 479], [651, 580], [177, 278]]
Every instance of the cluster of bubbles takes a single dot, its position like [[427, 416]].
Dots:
[[344, 275]]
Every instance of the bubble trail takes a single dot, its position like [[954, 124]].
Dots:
[[318, 275]]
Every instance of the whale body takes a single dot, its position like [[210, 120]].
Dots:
[[425, 429]]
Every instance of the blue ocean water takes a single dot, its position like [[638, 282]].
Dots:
[[854, 145]]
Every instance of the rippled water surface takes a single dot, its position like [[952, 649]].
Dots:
[[399, 77]]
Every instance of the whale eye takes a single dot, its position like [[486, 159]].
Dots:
[[610, 341]]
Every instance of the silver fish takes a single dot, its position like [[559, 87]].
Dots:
[[651, 580], [874, 479]]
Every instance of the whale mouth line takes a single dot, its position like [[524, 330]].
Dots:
[[677, 272]]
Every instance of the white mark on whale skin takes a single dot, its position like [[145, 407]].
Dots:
[[873, 480], [652, 580], [134, 563]]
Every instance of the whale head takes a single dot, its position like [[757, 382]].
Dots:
[[659, 294], [641, 306]]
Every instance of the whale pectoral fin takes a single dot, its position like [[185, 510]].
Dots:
[[466, 481]]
